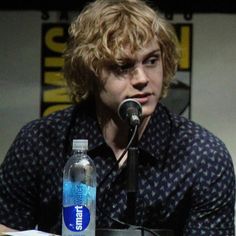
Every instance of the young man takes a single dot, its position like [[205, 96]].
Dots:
[[117, 50]]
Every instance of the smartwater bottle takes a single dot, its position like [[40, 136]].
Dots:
[[79, 192]]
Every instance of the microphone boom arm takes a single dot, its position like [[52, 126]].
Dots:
[[131, 111], [132, 172]]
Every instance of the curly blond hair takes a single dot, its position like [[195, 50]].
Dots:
[[100, 34]]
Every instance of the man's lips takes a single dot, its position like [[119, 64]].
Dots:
[[142, 98]]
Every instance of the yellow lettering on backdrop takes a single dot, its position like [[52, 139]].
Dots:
[[56, 95], [54, 62], [54, 78], [54, 108], [185, 46], [51, 43]]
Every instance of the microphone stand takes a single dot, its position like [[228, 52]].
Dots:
[[132, 172]]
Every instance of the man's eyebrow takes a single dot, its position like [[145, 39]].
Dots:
[[129, 62], [132, 60], [155, 51]]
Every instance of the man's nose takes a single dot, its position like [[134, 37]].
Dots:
[[139, 76]]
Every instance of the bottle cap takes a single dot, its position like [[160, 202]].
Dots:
[[80, 144]]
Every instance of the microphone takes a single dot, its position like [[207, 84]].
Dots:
[[131, 110]]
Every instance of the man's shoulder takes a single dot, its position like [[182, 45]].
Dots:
[[51, 127], [193, 133], [39, 136], [197, 146], [57, 119]]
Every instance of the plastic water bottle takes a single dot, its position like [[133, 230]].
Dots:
[[79, 192]]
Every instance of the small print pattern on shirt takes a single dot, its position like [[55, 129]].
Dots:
[[186, 179]]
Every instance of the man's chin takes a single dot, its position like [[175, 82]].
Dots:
[[148, 110]]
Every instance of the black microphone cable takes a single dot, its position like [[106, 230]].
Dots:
[[135, 227]]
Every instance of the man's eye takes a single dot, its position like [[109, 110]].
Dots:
[[152, 60], [124, 69]]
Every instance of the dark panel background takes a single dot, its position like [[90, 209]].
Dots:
[[166, 6]]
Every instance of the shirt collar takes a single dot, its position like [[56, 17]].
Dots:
[[154, 140], [156, 136]]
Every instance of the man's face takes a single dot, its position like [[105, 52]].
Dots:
[[138, 77]]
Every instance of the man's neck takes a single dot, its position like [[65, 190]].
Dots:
[[116, 133]]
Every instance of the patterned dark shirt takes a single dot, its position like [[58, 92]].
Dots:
[[186, 179]]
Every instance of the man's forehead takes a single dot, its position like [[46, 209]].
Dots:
[[143, 51]]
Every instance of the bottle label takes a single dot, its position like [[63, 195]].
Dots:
[[77, 200], [77, 193], [76, 217]]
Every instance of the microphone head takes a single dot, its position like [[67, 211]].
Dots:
[[130, 110]]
